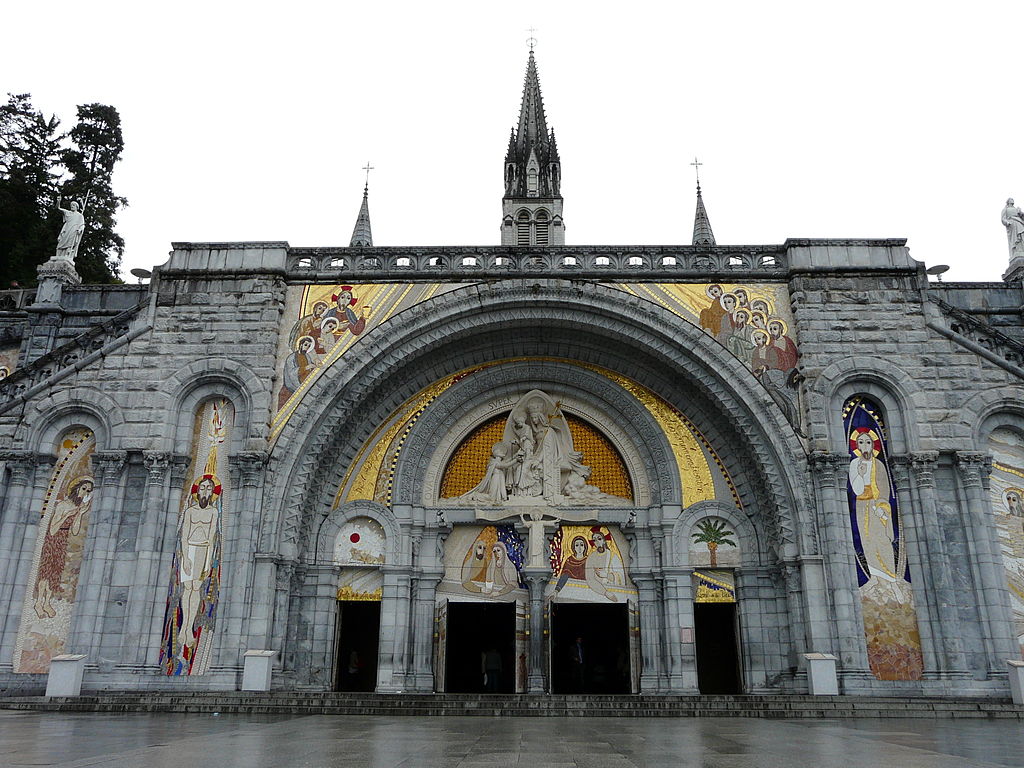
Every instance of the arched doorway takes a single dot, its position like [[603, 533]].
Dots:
[[360, 549]]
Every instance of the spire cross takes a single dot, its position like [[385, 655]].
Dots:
[[531, 40], [367, 168], [696, 166]]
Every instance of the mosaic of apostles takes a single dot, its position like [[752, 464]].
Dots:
[[1006, 489], [59, 550], [883, 576], [191, 613], [536, 460]]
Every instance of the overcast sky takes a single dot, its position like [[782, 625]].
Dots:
[[252, 121]]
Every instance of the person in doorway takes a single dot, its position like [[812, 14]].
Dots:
[[492, 669], [352, 671], [577, 665]]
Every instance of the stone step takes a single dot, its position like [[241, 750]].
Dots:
[[521, 705]]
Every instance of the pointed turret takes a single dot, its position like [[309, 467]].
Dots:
[[361, 234], [532, 205], [702, 234]]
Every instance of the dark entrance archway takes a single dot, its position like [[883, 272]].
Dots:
[[718, 662], [590, 648], [480, 657], [358, 641]]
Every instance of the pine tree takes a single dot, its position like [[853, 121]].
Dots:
[[97, 144], [29, 170]]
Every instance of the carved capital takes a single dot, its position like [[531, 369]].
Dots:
[[899, 466], [250, 466], [157, 463], [973, 466], [178, 467], [828, 466], [108, 466], [923, 464], [22, 465]]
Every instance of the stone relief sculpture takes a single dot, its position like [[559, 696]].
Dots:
[[71, 233], [536, 461], [1013, 220]]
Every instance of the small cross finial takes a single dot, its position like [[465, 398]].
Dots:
[[531, 40], [696, 166], [367, 168]]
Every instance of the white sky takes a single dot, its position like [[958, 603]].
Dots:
[[251, 121]]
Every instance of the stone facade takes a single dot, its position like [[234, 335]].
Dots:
[[270, 431]]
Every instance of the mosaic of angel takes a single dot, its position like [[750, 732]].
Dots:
[[483, 561]]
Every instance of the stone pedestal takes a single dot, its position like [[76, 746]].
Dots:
[[257, 670], [821, 674], [65, 678], [53, 276], [1016, 670]]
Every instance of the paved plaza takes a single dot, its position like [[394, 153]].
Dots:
[[175, 740]]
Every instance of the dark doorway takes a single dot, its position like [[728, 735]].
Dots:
[[718, 662], [358, 638], [589, 648], [480, 657]]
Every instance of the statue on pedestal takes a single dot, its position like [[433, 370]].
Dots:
[[1013, 220], [71, 233], [535, 462]]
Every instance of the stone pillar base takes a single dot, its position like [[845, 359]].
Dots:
[[1016, 670], [258, 670], [65, 678], [821, 674]]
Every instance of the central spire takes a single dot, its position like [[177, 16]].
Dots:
[[362, 237], [532, 204]]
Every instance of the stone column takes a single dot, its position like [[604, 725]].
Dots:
[[142, 594], [650, 630], [165, 541], [86, 635], [923, 467], [16, 520], [985, 551], [680, 629], [917, 556], [828, 471], [394, 623], [240, 528], [422, 678], [321, 614], [536, 677], [670, 622]]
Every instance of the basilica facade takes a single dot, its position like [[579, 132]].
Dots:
[[528, 467]]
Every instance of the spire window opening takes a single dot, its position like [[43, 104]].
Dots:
[[523, 228], [541, 228], [531, 182]]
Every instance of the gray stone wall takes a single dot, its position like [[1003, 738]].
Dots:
[[208, 325]]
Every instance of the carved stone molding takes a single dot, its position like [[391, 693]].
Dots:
[[178, 467], [899, 466], [108, 466], [973, 467]]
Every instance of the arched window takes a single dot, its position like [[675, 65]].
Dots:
[[668, 261], [569, 261], [602, 261], [531, 182], [469, 261], [541, 227], [635, 261], [523, 228], [403, 261]]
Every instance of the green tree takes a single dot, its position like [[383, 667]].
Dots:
[[29, 171], [714, 533], [96, 146]]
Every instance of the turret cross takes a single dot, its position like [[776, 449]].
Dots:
[[696, 166], [531, 40], [367, 168]]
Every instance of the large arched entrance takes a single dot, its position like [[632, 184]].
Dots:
[[687, 421]]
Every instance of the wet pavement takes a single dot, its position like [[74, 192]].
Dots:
[[75, 740]]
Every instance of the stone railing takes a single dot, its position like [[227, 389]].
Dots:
[[980, 337], [16, 298], [600, 262], [65, 359]]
